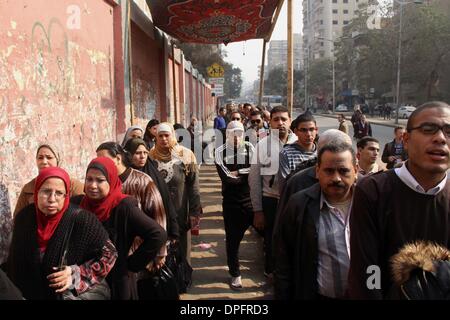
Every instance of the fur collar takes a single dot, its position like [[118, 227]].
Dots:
[[416, 255]]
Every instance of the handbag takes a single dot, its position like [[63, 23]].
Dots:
[[99, 291], [158, 285], [180, 268]]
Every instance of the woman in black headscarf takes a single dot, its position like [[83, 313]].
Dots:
[[142, 162]]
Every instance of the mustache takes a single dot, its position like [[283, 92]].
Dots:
[[337, 184]]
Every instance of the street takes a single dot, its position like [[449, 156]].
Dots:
[[384, 134]]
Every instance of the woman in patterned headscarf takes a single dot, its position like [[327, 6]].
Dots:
[[47, 155], [178, 167]]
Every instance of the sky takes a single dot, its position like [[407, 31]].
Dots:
[[253, 48]]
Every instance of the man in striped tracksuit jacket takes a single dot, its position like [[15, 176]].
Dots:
[[233, 164]]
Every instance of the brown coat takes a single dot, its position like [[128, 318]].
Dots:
[[26, 195]]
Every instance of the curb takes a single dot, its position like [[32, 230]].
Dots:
[[377, 122]]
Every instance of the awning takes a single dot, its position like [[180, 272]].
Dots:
[[214, 21]]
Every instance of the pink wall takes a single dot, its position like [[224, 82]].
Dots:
[[146, 55], [57, 83]]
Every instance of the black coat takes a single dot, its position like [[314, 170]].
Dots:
[[173, 230], [297, 249], [389, 150], [8, 291], [125, 223]]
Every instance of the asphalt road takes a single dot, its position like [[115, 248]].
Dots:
[[384, 134]]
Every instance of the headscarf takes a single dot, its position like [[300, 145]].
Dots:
[[175, 150], [46, 225], [53, 149], [102, 208], [128, 134], [133, 144]]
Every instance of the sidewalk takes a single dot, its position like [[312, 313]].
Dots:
[[208, 257], [375, 120]]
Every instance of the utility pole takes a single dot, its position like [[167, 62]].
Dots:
[[261, 79], [306, 78], [290, 60]]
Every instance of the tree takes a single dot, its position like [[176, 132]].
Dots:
[[203, 55], [320, 79], [371, 60], [233, 81], [276, 84]]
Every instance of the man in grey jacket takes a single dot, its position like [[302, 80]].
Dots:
[[263, 178]]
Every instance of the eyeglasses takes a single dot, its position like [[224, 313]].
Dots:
[[237, 119], [305, 130], [431, 128], [47, 193], [256, 121]]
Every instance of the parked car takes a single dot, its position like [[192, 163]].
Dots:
[[342, 108], [405, 111]]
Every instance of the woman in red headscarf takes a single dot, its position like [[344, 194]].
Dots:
[[124, 221], [58, 247]]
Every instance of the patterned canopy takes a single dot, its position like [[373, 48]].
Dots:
[[213, 21]]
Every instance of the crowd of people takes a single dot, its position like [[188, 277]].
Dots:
[[336, 222], [95, 240], [331, 214]]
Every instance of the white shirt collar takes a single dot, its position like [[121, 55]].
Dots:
[[408, 179]]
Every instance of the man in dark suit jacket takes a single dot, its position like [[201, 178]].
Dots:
[[303, 179], [312, 254], [394, 152]]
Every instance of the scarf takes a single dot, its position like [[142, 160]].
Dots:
[[46, 225], [175, 150], [102, 208], [128, 134], [53, 149]]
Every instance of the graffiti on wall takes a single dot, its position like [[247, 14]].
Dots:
[[56, 85], [144, 98]]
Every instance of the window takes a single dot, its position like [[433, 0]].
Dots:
[[321, 21], [345, 22], [335, 11], [334, 1], [321, 44], [345, 11], [335, 22], [345, 1]]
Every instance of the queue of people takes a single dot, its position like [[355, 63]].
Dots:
[[95, 240], [336, 223]]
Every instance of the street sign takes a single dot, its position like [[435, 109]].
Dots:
[[216, 80], [215, 71], [217, 89]]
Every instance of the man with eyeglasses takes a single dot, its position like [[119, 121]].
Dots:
[[400, 206], [292, 156]]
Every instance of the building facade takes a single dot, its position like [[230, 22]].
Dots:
[[277, 54], [323, 22]]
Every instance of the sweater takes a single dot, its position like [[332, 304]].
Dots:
[[386, 214], [263, 177], [26, 269]]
